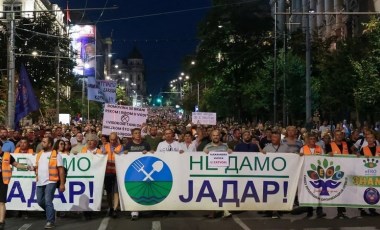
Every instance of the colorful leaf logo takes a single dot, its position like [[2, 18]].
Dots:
[[325, 175]]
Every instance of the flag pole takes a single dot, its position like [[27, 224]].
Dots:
[[43, 119]]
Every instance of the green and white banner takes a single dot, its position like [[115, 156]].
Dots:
[[340, 181], [84, 184], [173, 181]]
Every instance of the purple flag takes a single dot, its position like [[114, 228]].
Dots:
[[26, 100]]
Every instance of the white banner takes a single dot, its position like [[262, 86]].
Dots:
[[84, 185], [203, 118], [101, 90], [122, 119], [173, 181], [340, 182]]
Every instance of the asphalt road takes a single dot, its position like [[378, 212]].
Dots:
[[191, 220]]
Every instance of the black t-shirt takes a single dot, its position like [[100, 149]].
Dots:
[[1, 160], [264, 141], [133, 147]]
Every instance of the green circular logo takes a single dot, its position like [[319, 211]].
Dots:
[[148, 180]]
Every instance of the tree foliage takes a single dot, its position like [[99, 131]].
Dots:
[[234, 42], [234, 67]]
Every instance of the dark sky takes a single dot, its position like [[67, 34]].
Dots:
[[163, 40]]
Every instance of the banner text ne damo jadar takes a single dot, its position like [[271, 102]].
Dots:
[[84, 184], [173, 181]]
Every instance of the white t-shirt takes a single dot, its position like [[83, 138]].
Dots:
[[363, 142], [165, 146], [43, 168], [190, 148]]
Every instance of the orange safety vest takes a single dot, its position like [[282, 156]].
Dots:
[[110, 168], [84, 150], [307, 150], [367, 151], [53, 170], [6, 168], [335, 149], [17, 150]]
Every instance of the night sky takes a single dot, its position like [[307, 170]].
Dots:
[[163, 40]]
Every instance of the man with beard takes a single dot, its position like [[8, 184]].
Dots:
[[80, 143], [137, 145], [7, 145], [246, 145], [217, 146], [153, 139], [49, 170], [236, 139]]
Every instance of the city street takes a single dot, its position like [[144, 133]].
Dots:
[[195, 220]]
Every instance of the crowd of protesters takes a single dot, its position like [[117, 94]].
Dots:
[[166, 131]]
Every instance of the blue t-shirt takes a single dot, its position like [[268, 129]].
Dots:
[[8, 146]]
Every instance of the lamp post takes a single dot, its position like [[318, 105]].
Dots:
[[11, 72], [275, 66], [58, 79], [308, 62]]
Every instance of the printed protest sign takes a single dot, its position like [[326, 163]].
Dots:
[[122, 119]]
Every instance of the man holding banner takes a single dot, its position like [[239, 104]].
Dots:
[[110, 181], [312, 149], [137, 145], [275, 147], [49, 170], [6, 160], [217, 146], [169, 144]]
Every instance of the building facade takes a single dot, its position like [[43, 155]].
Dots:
[[340, 18], [32, 9], [130, 74]]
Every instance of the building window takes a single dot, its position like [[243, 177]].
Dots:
[[16, 7]]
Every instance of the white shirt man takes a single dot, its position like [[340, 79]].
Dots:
[[169, 144], [43, 168], [188, 145]]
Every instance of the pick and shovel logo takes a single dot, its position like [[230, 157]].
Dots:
[[324, 180], [148, 180]]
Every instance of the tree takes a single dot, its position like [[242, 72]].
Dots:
[[43, 35], [234, 42]]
